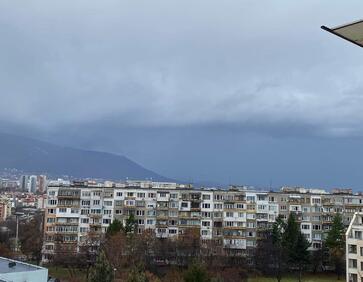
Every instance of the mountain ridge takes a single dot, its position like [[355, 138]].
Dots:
[[36, 156]]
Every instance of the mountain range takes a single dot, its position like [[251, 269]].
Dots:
[[36, 157]]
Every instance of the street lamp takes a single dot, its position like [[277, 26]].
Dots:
[[17, 214], [352, 32]]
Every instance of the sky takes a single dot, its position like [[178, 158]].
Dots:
[[233, 92]]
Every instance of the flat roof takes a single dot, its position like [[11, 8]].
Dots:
[[19, 266]]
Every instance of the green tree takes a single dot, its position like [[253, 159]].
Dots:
[[295, 245], [130, 225], [115, 227], [137, 274], [301, 254], [335, 242], [102, 270], [290, 236], [196, 273], [278, 250]]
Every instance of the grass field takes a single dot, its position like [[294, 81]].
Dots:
[[305, 278], [65, 275]]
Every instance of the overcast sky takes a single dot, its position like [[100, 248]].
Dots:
[[249, 92]]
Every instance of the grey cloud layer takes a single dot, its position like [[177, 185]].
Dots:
[[178, 63]]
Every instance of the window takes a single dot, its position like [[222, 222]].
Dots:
[[96, 202], [173, 213], [162, 194], [106, 211], [218, 206], [352, 249], [305, 227], [51, 211], [85, 203], [86, 194], [315, 201], [97, 193], [149, 221], [74, 210], [52, 202], [352, 263], [205, 223], [173, 196], [151, 195], [229, 214], [184, 205], [84, 220], [206, 206], [172, 231], [107, 203], [130, 194], [84, 211], [240, 206], [106, 221], [140, 212], [62, 210], [251, 199], [358, 235], [141, 195], [118, 194], [316, 227], [206, 197]]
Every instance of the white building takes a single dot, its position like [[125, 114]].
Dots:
[[354, 249], [16, 271]]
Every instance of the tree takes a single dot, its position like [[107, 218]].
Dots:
[[115, 227], [290, 236], [296, 245], [196, 273], [130, 225], [335, 241], [102, 270], [31, 237], [137, 274], [301, 255], [5, 251], [277, 248]]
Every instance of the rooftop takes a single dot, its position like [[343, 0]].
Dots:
[[17, 267]]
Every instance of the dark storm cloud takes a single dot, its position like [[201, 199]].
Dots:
[[231, 91], [172, 63]]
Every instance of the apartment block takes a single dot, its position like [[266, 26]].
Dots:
[[354, 249], [235, 219]]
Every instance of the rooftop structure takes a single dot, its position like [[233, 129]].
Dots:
[[16, 271], [352, 32]]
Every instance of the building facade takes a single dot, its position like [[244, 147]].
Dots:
[[354, 249], [235, 218]]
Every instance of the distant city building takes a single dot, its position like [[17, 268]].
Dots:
[[354, 249], [17, 271], [5, 208], [234, 219], [42, 183], [32, 184], [23, 183]]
